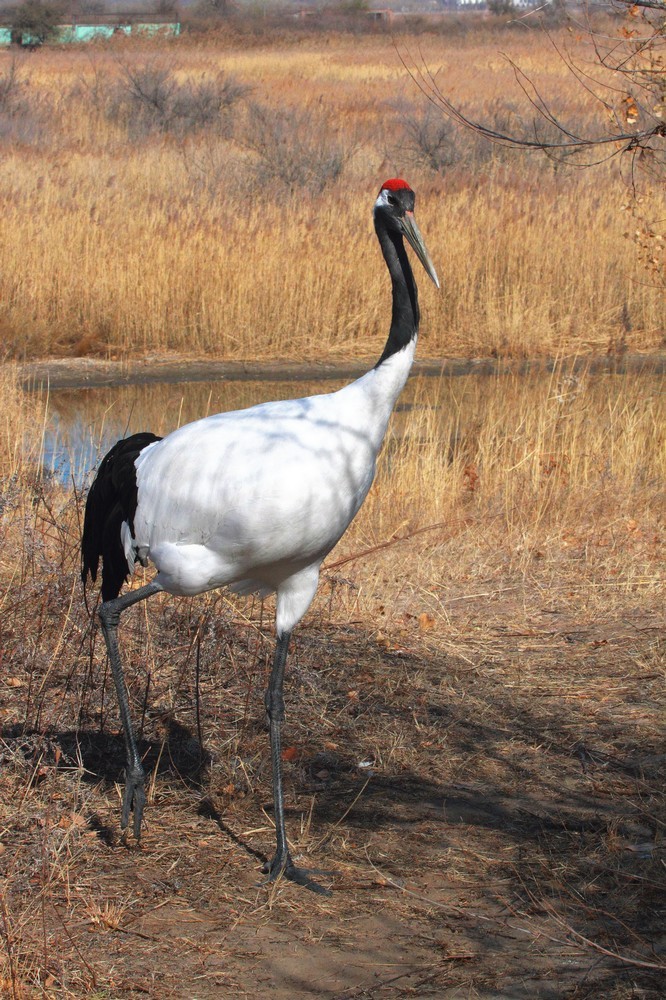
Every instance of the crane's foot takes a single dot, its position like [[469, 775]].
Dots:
[[285, 868], [134, 799]]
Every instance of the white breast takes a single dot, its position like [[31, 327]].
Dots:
[[257, 492], [254, 496]]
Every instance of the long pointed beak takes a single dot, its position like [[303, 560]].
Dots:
[[417, 243]]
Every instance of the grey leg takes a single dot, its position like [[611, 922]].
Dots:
[[109, 615], [282, 864]]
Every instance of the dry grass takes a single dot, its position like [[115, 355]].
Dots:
[[475, 701], [131, 227], [474, 743], [23, 422]]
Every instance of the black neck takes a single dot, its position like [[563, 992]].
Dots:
[[405, 314]]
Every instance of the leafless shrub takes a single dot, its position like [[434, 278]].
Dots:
[[296, 150], [22, 112], [425, 138], [207, 103], [149, 90], [148, 99], [12, 87], [12, 98], [93, 86], [422, 137]]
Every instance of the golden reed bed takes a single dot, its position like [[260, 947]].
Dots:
[[211, 197]]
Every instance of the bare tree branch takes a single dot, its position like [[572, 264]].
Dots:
[[630, 89]]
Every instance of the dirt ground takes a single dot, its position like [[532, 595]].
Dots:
[[490, 810]]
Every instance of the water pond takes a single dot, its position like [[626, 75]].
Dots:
[[83, 423]]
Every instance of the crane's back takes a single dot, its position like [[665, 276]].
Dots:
[[257, 492]]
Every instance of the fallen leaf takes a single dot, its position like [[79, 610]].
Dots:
[[630, 109], [426, 622], [72, 819]]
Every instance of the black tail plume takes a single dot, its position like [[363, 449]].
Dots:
[[112, 499]]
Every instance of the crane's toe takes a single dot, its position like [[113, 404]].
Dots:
[[285, 868]]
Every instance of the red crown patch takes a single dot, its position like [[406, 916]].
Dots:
[[395, 184]]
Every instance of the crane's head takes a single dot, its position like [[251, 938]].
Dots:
[[394, 211]]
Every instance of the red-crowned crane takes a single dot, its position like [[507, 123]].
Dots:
[[252, 500]]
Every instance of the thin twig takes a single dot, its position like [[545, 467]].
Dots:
[[626, 959], [464, 522], [327, 835]]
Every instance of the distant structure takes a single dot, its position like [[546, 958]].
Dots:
[[88, 27], [377, 16], [485, 5]]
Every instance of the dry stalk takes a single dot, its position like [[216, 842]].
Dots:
[[625, 959]]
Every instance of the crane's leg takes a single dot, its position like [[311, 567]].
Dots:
[[282, 864], [109, 615]]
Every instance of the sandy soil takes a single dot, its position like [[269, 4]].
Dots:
[[491, 813]]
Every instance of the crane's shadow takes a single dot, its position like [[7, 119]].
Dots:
[[180, 761], [100, 756]]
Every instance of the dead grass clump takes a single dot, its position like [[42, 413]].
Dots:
[[148, 98], [13, 84], [296, 151]]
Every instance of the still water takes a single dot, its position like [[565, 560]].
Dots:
[[82, 424]]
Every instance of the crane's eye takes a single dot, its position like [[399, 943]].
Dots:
[[392, 200]]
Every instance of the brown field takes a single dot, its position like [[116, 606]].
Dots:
[[474, 741], [213, 198], [475, 712]]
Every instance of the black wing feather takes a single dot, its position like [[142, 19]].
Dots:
[[112, 499]]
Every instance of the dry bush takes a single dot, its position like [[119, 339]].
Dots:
[[425, 139], [422, 138], [148, 98], [12, 86], [295, 150]]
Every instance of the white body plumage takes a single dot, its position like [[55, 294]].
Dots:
[[255, 499]]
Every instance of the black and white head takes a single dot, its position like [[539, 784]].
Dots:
[[394, 213]]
